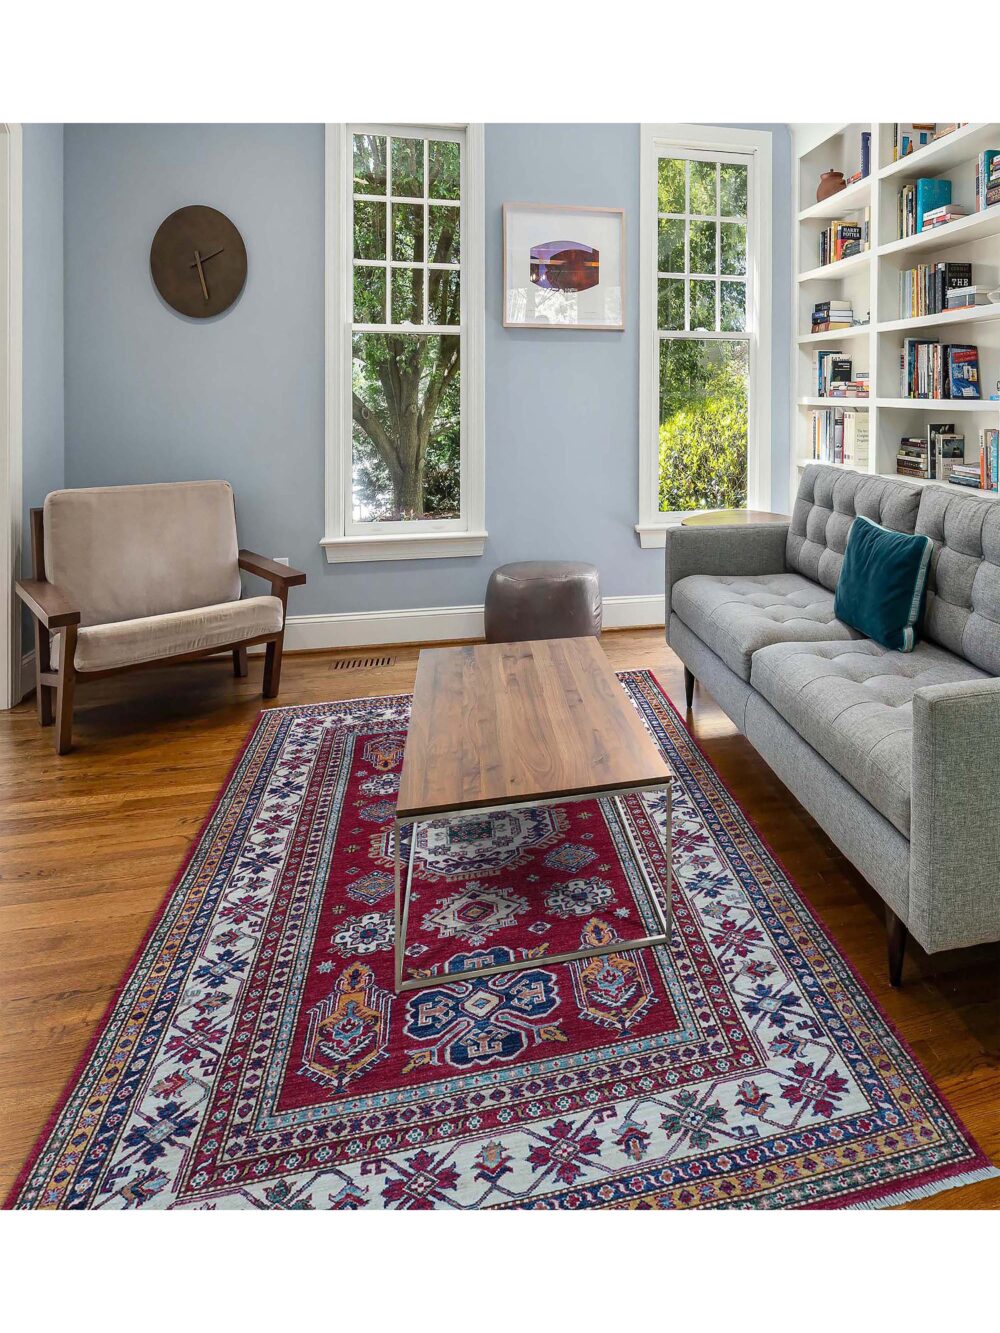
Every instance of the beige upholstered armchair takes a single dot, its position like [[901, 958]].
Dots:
[[131, 576]]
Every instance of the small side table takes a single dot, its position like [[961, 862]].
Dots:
[[731, 518]]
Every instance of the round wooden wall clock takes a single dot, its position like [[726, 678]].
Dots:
[[198, 261]]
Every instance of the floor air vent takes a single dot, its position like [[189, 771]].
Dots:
[[361, 663]]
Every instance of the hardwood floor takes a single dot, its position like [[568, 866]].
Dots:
[[90, 842]]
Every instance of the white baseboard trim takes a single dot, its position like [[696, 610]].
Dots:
[[432, 624], [424, 624]]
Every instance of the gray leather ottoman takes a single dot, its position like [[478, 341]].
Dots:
[[542, 599]]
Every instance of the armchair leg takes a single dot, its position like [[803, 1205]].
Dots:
[[43, 663], [897, 933], [272, 666], [65, 691], [240, 667], [688, 687]]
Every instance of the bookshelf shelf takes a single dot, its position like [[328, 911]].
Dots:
[[839, 269], [838, 335], [860, 403], [980, 314], [870, 284], [972, 228], [848, 200], [942, 406], [955, 148], [932, 481]]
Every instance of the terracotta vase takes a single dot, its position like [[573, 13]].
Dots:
[[831, 182]]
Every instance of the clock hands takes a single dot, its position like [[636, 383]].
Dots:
[[199, 261]]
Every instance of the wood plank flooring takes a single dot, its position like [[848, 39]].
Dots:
[[90, 842]]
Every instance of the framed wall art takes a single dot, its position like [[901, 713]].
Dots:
[[563, 267]]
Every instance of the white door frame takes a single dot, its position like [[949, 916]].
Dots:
[[10, 411]]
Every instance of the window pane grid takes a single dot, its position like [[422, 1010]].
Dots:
[[704, 333], [712, 288], [408, 303]]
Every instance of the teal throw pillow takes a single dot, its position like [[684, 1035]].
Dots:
[[883, 583]]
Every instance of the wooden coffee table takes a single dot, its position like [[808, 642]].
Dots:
[[506, 725]]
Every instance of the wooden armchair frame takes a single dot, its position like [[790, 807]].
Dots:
[[54, 613]]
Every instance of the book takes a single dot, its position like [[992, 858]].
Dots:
[[855, 439], [961, 372], [984, 171], [924, 290], [866, 153], [931, 192], [989, 458], [936, 434]]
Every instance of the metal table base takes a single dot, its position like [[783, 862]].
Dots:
[[618, 946]]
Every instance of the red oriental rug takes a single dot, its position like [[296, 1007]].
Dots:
[[257, 1056]]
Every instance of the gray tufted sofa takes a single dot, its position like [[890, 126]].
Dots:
[[896, 755]]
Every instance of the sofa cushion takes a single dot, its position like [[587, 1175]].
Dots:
[[882, 583], [122, 552], [129, 642], [736, 616], [828, 500], [963, 588], [852, 702]]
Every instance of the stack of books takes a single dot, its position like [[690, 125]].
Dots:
[[989, 459], [934, 458], [855, 387], [940, 217], [924, 290], [831, 368], [965, 298], [966, 474], [829, 315], [929, 369], [919, 198], [988, 179], [842, 239], [913, 458]]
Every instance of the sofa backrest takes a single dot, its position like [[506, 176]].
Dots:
[[963, 587], [829, 500], [120, 552]]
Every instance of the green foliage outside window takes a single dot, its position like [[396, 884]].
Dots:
[[703, 425]]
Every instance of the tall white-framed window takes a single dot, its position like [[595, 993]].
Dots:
[[704, 319], [405, 316]]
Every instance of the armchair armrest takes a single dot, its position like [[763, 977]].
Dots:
[[47, 603], [270, 569], [955, 815], [721, 550]]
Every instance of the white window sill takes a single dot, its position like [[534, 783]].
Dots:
[[655, 534], [403, 546]]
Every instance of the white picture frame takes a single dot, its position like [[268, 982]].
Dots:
[[563, 267]]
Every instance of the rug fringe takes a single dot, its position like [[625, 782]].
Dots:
[[927, 1191]]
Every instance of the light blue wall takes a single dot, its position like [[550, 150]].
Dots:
[[42, 388], [152, 396]]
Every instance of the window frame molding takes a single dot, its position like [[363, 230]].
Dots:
[[424, 540], [652, 524]]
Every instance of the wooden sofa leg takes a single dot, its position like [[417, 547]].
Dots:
[[272, 667], [896, 932], [65, 691], [240, 665], [688, 687]]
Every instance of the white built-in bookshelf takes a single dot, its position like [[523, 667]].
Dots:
[[870, 281]]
